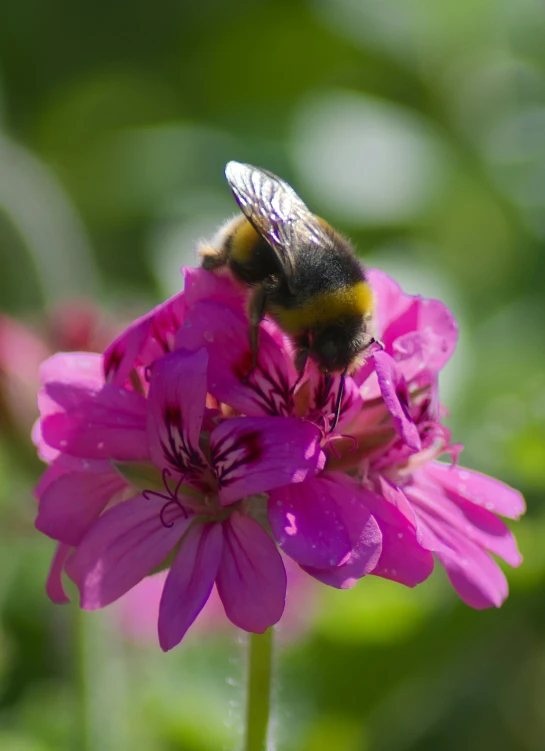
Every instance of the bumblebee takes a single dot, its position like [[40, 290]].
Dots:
[[302, 273]]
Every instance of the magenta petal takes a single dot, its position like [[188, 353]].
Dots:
[[394, 392], [477, 579], [189, 582], [144, 340], [477, 488], [105, 424], [224, 332], [51, 474], [70, 504], [403, 558], [390, 300], [252, 579], [54, 586], [322, 524], [323, 399], [176, 406], [76, 368], [471, 521], [122, 547], [202, 285], [474, 575], [256, 454]]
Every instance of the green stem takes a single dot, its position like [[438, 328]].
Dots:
[[258, 699]]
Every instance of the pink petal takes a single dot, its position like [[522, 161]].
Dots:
[[75, 368], [477, 579], [176, 406], [323, 399], [70, 504], [390, 300], [479, 489], [189, 582], [394, 392], [251, 580], [54, 586], [322, 524], [224, 332], [402, 558], [51, 474], [256, 454], [223, 288], [144, 340], [105, 424], [122, 547], [430, 341], [472, 522]]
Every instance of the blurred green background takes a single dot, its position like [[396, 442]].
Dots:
[[415, 126]]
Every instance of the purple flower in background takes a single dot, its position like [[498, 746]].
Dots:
[[170, 452]]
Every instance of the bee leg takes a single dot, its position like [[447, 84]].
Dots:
[[339, 401], [256, 313]]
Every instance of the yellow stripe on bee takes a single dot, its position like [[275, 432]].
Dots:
[[356, 300], [243, 241]]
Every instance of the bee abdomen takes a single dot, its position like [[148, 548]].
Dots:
[[355, 300]]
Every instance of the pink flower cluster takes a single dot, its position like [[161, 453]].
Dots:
[[165, 454]]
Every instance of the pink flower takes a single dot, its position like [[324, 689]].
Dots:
[[171, 452], [208, 466]]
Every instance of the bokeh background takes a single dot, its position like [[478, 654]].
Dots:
[[415, 126]]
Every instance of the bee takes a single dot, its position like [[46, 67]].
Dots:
[[302, 274]]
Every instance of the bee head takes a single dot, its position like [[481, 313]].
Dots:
[[336, 346]]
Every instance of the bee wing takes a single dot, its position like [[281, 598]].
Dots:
[[276, 212]]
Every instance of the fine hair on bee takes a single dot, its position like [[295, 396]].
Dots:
[[301, 273]]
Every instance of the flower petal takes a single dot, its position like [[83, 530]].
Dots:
[[70, 504], [323, 396], [122, 547], [322, 524], [54, 586], [74, 368], [477, 579], [403, 557], [189, 582], [390, 300], [256, 454], [473, 486], [252, 579], [266, 390], [470, 521], [176, 406], [203, 285], [105, 424], [394, 392], [144, 340]]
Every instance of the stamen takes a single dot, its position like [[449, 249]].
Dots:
[[330, 438], [171, 497]]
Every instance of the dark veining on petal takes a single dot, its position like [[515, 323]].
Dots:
[[270, 386], [230, 454], [177, 451], [111, 366]]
